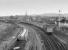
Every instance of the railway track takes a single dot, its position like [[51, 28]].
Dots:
[[57, 43], [50, 42]]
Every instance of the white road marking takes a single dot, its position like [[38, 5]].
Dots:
[[13, 37], [16, 48]]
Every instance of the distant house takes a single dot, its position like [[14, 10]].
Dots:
[[62, 22]]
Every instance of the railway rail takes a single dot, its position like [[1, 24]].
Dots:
[[50, 42]]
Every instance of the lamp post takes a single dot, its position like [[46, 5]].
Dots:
[[59, 18]]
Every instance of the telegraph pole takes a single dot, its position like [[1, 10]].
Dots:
[[60, 18], [26, 13], [60, 13]]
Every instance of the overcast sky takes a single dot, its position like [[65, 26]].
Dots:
[[19, 7]]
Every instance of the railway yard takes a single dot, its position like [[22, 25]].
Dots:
[[31, 36]]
